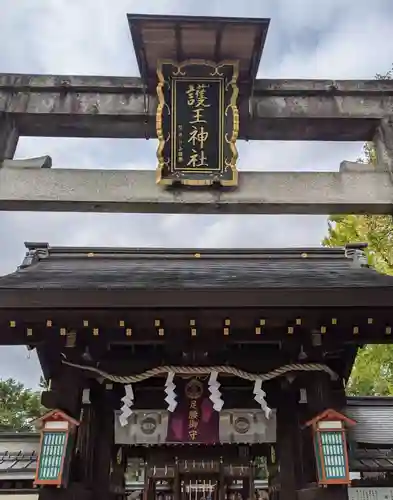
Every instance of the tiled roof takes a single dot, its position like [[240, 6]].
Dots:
[[164, 269], [60, 268], [18, 455], [372, 460], [374, 420]]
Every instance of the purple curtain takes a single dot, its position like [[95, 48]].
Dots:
[[194, 419]]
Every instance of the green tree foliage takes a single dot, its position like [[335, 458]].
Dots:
[[19, 406], [375, 230], [372, 373]]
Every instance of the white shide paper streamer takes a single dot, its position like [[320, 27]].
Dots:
[[215, 394], [128, 402], [170, 392], [260, 397]]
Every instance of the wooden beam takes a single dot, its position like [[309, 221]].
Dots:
[[216, 341], [338, 299], [155, 399], [174, 334], [263, 361], [212, 317]]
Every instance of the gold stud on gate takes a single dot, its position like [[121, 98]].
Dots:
[[259, 329], [227, 324], [159, 326], [49, 323], [334, 321], [96, 332], [85, 323], [388, 330], [290, 330], [323, 329], [70, 339], [12, 324], [355, 330], [193, 329]]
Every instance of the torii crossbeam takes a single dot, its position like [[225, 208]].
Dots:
[[114, 107]]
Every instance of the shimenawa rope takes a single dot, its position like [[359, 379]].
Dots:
[[204, 370]]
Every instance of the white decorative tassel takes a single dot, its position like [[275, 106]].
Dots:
[[260, 397], [128, 402], [170, 392], [215, 394]]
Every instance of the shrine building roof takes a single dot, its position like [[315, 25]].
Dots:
[[126, 276]]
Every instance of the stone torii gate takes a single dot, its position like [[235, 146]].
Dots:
[[117, 107]]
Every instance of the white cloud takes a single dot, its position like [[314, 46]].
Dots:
[[338, 39]]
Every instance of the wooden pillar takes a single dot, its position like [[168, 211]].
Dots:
[[118, 469], [84, 469], [66, 394], [103, 486], [65, 391], [288, 430], [97, 470], [221, 480], [251, 477], [176, 481], [322, 393], [146, 482], [9, 137]]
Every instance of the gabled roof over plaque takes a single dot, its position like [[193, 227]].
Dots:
[[187, 37]]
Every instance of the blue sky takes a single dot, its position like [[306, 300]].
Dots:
[[307, 39]]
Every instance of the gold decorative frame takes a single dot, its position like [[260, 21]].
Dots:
[[179, 69]]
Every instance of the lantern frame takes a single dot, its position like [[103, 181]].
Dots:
[[328, 422], [57, 423]]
